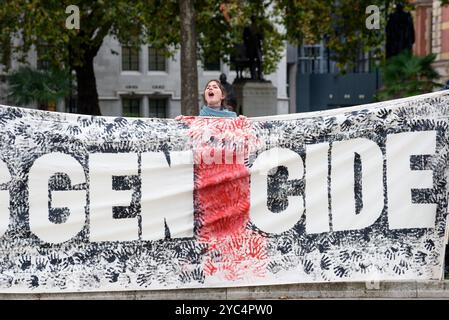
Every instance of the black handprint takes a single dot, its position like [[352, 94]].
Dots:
[[383, 113], [57, 264], [144, 279], [329, 122], [391, 253], [324, 247], [198, 275], [70, 261], [42, 251], [110, 128], [84, 122], [92, 252], [420, 257], [184, 277], [308, 266], [33, 282], [108, 255], [429, 245], [325, 263], [274, 267], [25, 262], [285, 245], [344, 256], [195, 275], [401, 267], [79, 258], [122, 256], [340, 271], [112, 275], [55, 259], [346, 124], [364, 267], [139, 124], [398, 270], [121, 122], [73, 130], [132, 250], [356, 256], [40, 264], [407, 251], [179, 251]]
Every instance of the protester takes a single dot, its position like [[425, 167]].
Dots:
[[214, 96]]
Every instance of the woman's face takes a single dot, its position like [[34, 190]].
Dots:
[[213, 94]]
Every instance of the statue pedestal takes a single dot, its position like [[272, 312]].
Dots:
[[256, 98]]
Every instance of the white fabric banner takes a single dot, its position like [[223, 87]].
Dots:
[[101, 203]]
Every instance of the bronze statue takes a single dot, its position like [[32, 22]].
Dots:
[[249, 53], [400, 32], [252, 39]]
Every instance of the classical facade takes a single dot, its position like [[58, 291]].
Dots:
[[145, 83], [432, 33]]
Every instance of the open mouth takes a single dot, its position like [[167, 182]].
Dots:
[[210, 94]]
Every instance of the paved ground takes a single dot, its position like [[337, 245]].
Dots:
[[345, 290]]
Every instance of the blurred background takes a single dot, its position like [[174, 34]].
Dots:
[[149, 58]]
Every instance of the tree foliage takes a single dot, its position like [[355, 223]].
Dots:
[[43, 86], [218, 37], [35, 22], [135, 22], [407, 75], [341, 24]]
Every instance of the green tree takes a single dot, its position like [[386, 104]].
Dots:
[[189, 72], [407, 75], [341, 23], [37, 22], [27, 85], [217, 36]]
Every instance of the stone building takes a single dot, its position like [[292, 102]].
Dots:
[[432, 33], [144, 83]]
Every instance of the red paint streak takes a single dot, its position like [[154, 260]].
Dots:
[[222, 201]]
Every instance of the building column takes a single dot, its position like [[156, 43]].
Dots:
[[423, 26], [144, 59], [60, 105], [293, 69], [445, 33], [436, 32], [145, 107], [440, 41]]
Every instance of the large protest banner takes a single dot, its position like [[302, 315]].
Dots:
[[102, 203]]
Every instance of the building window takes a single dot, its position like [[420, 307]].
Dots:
[[130, 58], [43, 62], [156, 59], [212, 64], [131, 107], [158, 108]]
